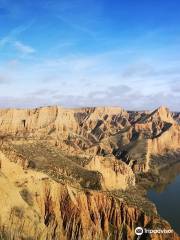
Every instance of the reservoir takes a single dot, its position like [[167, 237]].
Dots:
[[166, 196]]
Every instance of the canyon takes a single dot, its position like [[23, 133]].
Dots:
[[72, 174]]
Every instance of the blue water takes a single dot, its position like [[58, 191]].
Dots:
[[167, 200]]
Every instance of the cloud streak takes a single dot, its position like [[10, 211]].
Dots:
[[11, 39], [25, 49], [77, 27]]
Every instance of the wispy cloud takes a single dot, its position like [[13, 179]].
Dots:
[[23, 102], [77, 27], [13, 34], [108, 89], [11, 39], [120, 95], [148, 70], [115, 77], [25, 49]]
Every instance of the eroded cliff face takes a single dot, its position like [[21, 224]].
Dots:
[[168, 140], [66, 173], [116, 174], [56, 121], [157, 132], [132, 137], [95, 131], [33, 206]]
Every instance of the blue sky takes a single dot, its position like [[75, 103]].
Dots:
[[90, 53]]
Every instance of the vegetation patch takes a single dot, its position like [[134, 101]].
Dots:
[[26, 196], [17, 211]]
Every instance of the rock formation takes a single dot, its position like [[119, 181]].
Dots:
[[37, 207], [69, 173]]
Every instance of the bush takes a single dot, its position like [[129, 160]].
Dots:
[[17, 211], [31, 164], [26, 196]]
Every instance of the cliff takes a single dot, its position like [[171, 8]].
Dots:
[[71, 173], [33, 206], [132, 137]]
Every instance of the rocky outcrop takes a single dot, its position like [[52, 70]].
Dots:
[[168, 140], [33, 206], [95, 131], [38, 122], [116, 174], [176, 117], [65, 173], [153, 124], [159, 134], [56, 120]]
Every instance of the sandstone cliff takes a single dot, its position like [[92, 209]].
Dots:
[[66, 173], [87, 132], [33, 206]]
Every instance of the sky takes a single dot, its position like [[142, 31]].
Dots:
[[77, 53]]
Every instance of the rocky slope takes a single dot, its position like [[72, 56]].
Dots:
[[37, 207], [70, 173], [176, 116], [95, 131]]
